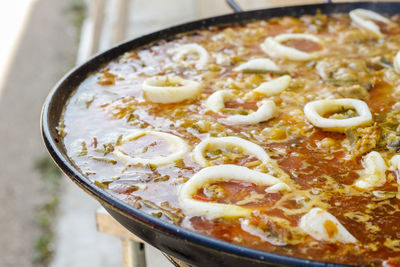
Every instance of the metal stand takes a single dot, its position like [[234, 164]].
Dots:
[[176, 262], [236, 8], [133, 249], [133, 253]]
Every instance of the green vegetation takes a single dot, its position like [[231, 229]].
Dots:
[[76, 11], [50, 175]]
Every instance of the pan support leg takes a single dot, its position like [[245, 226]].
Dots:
[[133, 254], [133, 249]]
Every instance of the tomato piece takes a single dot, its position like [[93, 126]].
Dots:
[[201, 198]]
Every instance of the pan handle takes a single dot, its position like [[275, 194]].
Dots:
[[236, 8]]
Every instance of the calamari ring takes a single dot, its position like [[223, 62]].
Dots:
[[273, 46], [257, 64], [182, 51], [395, 163], [317, 222], [396, 62], [270, 88], [165, 89], [179, 148], [229, 142], [218, 174], [256, 231], [316, 109], [278, 188], [266, 109], [363, 18], [374, 172], [216, 101]]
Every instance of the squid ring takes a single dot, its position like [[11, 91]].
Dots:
[[165, 89], [229, 142], [266, 109], [316, 109], [317, 222], [179, 148], [364, 18], [274, 47], [218, 174], [216, 101], [396, 63], [272, 87], [257, 64], [374, 172], [395, 163], [183, 50]]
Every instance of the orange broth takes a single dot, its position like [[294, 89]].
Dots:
[[322, 165]]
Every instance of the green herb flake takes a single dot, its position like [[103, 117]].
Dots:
[[101, 184], [105, 160], [84, 150]]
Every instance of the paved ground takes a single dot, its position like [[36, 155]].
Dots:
[[46, 51], [78, 244]]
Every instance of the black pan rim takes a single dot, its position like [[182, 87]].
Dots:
[[78, 74]]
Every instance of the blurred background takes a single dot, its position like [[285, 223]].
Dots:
[[46, 220]]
